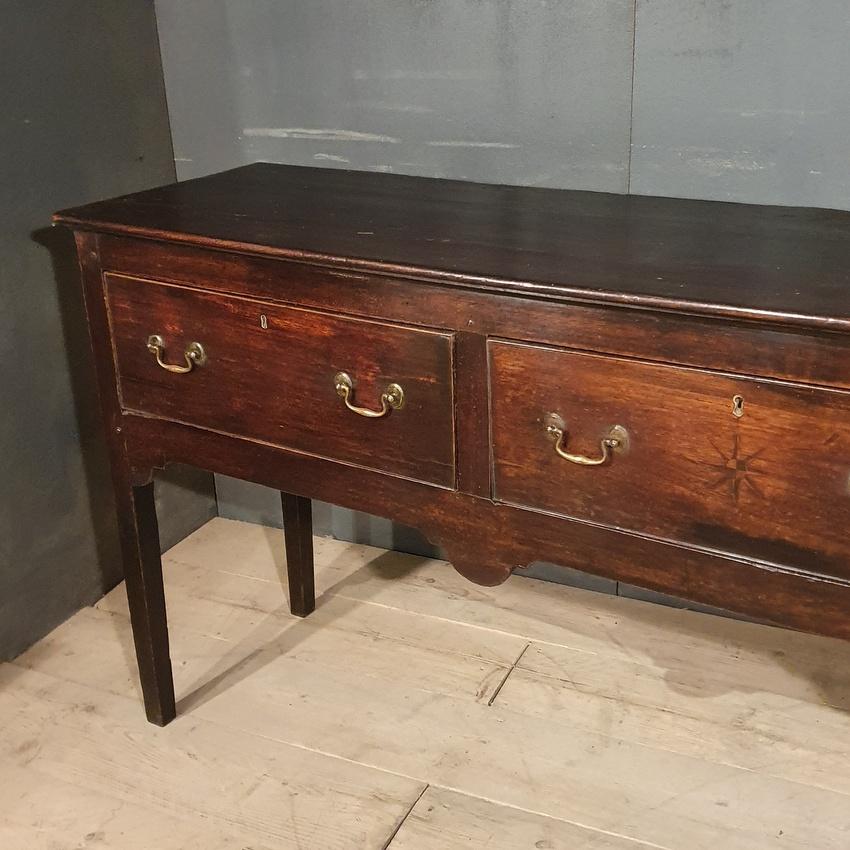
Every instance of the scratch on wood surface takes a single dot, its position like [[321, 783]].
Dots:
[[318, 133]]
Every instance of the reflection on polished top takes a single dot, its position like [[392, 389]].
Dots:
[[760, 263]]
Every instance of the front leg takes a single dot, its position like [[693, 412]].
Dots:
[[146, 597], [298, 539]]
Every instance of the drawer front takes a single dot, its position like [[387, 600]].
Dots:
[[741, 465], [270, 374]]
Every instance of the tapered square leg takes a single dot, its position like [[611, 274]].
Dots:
[[146, 597], [298, 539]]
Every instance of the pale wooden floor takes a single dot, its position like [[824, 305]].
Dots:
[[417, 711]]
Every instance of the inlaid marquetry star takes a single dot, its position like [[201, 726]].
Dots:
[[736, 470]]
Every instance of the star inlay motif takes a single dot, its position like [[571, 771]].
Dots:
[[736, 470]]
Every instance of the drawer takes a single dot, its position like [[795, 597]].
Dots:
[[736, 464], [269, 373]]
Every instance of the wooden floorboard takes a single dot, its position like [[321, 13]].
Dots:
[[442, 819], [687, 713], [41, 812], [531, 715], [257, 791], [745, 655]]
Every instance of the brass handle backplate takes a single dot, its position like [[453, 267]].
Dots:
[[616, 440], [194, 355], [392, 398]]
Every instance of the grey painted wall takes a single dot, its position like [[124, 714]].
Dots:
[[498, 90], [743, 100], [83, 117], [732, 99], [529, 93]]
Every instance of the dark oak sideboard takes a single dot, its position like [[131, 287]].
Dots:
[[649, 389]]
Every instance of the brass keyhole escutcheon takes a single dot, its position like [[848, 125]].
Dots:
[[737, 406]]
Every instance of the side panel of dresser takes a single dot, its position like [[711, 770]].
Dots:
[[134, 506], [486, 540]]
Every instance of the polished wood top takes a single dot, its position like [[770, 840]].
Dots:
[[760, 263]]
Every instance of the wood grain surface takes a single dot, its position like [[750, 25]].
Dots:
[[276, 383], [707, 257], [376, 724], [772, 484]]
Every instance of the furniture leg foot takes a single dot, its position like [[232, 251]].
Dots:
[[146, 598], [298, 539]]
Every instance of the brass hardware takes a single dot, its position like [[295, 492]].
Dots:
[[194, 355], [737, 406], [615, 441], [392, 398]]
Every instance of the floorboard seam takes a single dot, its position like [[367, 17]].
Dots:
[[309, 749], [401, 823], [639, 842], [505, 679], [477, 626]]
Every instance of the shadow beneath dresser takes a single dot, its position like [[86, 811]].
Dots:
[[657, 653], [279, 634]]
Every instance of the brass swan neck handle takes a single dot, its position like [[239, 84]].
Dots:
[[392, 398], [194, 355], [615, 440]]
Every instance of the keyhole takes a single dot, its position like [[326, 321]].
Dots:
[[738, 406], [264, 322]]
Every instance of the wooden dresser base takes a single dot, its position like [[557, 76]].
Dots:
[[463, 525], [728, 480]]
